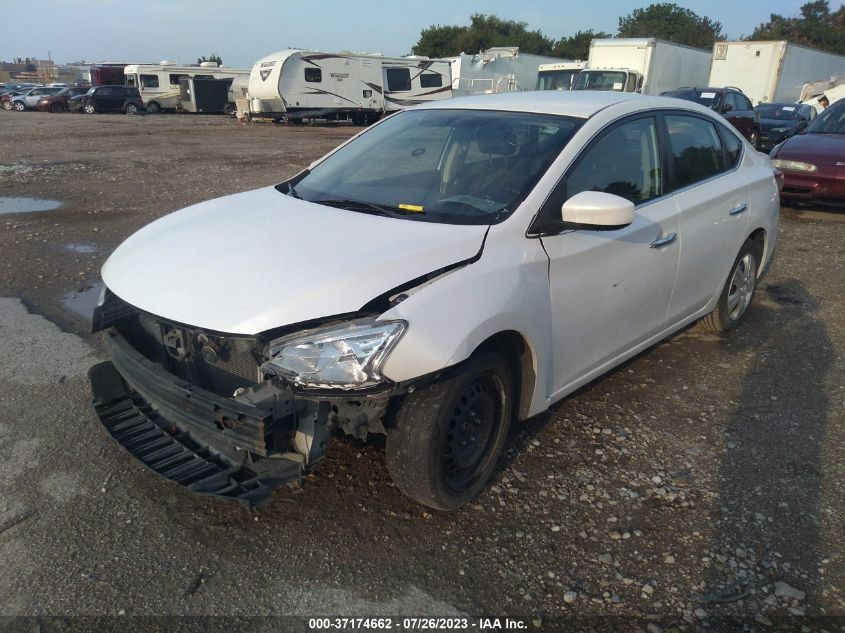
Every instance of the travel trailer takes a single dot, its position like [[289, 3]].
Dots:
[[159, 83], [645, 65], [499, 69], [296, 84], [771, 71], [559, 76]]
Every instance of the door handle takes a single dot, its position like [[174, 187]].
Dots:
[[663, 241], [737, 210]]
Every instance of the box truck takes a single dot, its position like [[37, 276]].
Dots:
[[645, 65], [296, 84], [771, 71], [559, 76]]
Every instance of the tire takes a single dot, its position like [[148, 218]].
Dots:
[[754, 139], [131, 108], [229, 109], [56, 108], [19, 106], [89, 108], [7, 105], [153, 107], [737, 293], [446, 439]]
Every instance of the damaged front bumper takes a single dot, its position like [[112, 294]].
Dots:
[[237, 449]]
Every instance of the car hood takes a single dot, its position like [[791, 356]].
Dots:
[[258, 260], [821, 149]]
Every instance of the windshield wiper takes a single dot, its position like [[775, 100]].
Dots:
[[365, 207]]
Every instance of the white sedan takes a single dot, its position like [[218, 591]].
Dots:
[[449, 270]]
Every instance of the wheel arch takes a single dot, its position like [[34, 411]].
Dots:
[[760, 241], [520, 355]]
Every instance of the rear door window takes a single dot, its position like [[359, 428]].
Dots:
[[695, 149]]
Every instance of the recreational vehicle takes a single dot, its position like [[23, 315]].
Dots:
[[560, 76], [159, 83], [300, 84], [498, 69]]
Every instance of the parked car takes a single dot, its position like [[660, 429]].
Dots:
[[125, 99], [59, 101], [29, 99], [813, 162], [779, 121], [730, 103], [452, 268], [6, 98]]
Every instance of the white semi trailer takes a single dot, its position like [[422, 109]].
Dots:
[[771, 71], [645, 65], [297, 84], [498, 69]]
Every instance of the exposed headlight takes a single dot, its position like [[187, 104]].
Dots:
[[347, 356], [794, 165]]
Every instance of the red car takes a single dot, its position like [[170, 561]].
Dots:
[[59, 101], [813, 162]]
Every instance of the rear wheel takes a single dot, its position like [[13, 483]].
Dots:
[[737, 292], [754, 139], [229, 109], [447, 438], [7, 105], [56, 108], [131, 108]]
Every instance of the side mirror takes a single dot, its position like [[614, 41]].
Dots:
[[727, 107], [596, 208]]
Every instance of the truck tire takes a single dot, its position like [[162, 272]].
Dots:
[[153, 107], [446, 439]]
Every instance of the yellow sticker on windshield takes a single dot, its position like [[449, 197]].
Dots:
[[412, 207]]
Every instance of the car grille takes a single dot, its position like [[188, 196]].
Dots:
[[220, 364]]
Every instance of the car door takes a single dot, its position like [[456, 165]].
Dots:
[[610, 289], [741, 118], [712, 198], [31, 98]]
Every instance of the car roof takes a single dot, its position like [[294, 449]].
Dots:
[[577, 103]]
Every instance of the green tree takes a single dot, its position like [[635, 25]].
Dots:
[[483, 32], [576, 46], [816, 26], [214, 57], [668, 21]]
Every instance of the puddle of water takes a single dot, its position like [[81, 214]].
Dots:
[[82, 247], [82, 302], [27, 205]]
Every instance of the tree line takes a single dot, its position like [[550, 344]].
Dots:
[[816, 26]]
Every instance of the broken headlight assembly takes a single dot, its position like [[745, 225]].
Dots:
[[345, 356]]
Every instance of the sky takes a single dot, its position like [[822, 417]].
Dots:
[[241, 32]]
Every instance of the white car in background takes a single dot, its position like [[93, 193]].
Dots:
[[28, 101], [453, 268]]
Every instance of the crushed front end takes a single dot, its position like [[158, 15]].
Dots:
[[201, 408]]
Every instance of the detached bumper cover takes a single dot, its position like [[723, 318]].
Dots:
[[173, 427]]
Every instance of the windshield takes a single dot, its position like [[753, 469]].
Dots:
[[448, 166], [777, 111], [600, 80], [831, 121], [556, 79]]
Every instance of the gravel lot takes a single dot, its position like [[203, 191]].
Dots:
[[699, 485]]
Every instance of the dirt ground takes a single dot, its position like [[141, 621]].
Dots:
[[699, 486]]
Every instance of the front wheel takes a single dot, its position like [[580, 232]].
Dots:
[[446, 438], [89, 108], [56, 108], [737, 292], [19, 106], [153, 107]]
